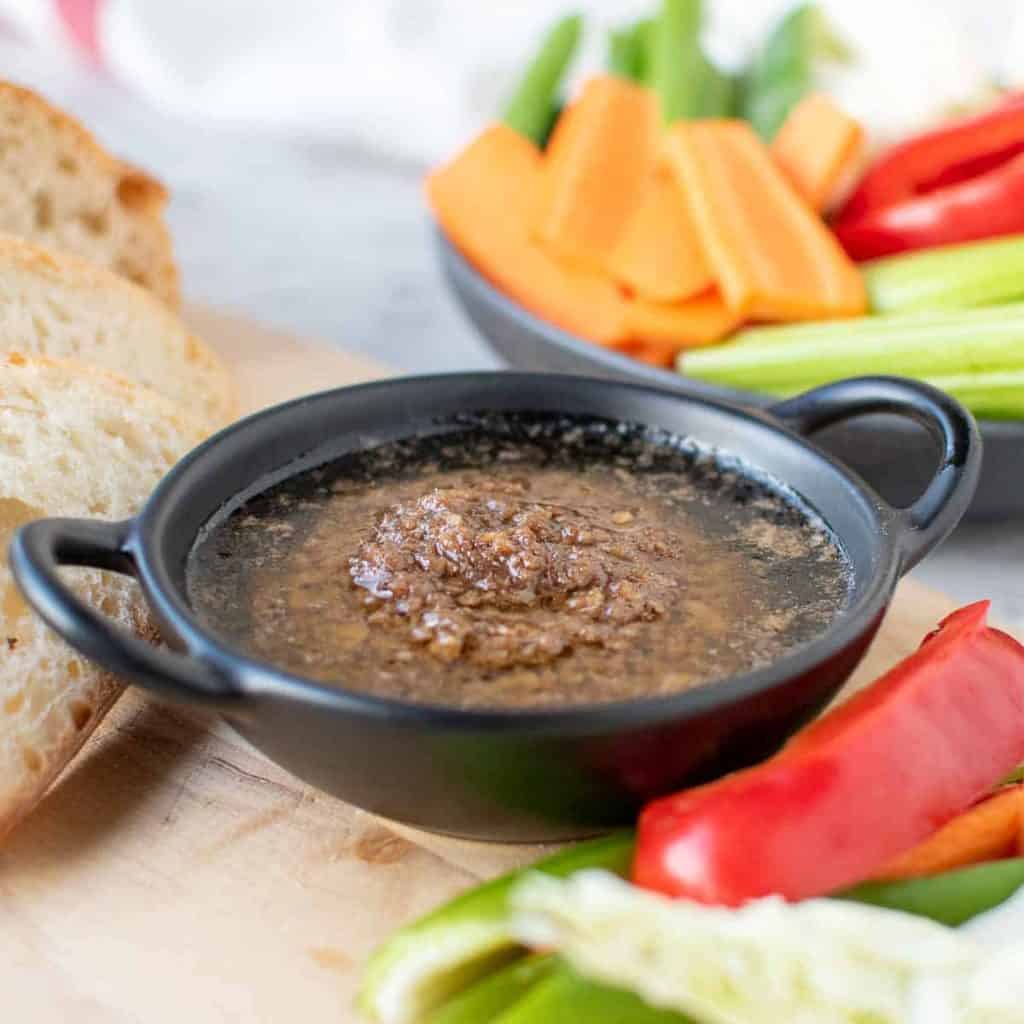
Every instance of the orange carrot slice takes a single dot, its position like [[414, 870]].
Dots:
[[990, 830], [485, 201], [595, 168], [818, 148], [652, 354], [771, 255], [661, 330], [659, 255]]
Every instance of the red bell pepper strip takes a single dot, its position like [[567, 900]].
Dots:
[[867, 782], [983, 207], [941, 157]]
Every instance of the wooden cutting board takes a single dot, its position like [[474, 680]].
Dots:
[[174, 874]]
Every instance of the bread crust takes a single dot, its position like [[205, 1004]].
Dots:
[[194, 373], [51, 700], [131, 194]]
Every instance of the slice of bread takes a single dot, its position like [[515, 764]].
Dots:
[[74, 441], [59, 187], [55, 304]]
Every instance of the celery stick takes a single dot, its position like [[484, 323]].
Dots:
[[890, 324], [964, 344], [678, 66], [529, 109], [994, 396], [952, 277]]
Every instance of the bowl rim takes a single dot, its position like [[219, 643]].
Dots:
[[250, 678], [622, 363]]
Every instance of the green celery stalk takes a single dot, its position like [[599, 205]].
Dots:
[[430, 961], [952, 898], [966, 343], [495, 993], [995, 396], [890, 324], [950, 277], [678, 67], [529, 109], [566, 998]]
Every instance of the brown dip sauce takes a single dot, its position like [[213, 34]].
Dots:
[[517, 562]]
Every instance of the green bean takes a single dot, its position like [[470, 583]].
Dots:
[[626, 51], [678, 67], [781, 72], [529, 110], [495, 993], [719, 94], [952, 898]]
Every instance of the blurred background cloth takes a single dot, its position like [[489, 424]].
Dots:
[[414, 78]]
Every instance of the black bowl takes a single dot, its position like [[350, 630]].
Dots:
[[894, 457], [543, 774]]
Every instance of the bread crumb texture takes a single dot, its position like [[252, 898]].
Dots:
[[74, 441], [58, 305], [59, 187]]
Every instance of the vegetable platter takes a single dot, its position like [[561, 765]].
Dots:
[[729, 230], [870, 871]]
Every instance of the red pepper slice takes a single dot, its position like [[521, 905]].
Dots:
[[867, 782], [943, 156], [986, 206]]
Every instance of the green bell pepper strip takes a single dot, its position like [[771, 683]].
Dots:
[[566, 998], [782, 71], [678, 68], [493, 995], [427, 963], [529, 109], [952, 898]]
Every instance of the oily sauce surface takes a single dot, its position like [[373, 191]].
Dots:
[[520, 562]]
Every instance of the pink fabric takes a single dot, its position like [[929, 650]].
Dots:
[[81, 19]]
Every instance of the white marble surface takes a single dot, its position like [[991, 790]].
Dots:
[[330, 243]]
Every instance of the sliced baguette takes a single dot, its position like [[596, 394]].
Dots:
[[55, 304], [74, 441], [59, 187]]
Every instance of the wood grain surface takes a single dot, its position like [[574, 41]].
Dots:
[[174, 874]]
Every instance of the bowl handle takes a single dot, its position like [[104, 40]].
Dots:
[[36, 553], [932, 517]]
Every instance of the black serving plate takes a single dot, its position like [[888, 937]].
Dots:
[[897, 458]]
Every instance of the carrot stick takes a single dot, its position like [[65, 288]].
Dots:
[[990, 830], [670, 327], [659, 255], [771, 255], [595, 168], [485, 201], [817, 148]]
